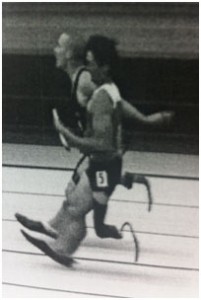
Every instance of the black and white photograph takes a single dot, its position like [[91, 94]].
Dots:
[[100, 149]]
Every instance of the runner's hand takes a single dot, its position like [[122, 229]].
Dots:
[[64, 142], [57, 123], [168, 117], [59, 126]]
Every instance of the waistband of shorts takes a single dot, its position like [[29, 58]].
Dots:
[[104, 156]]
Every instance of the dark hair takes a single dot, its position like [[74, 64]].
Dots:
[[104, 51]]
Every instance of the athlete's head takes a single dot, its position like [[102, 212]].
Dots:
[[69, 49], [101, 58]]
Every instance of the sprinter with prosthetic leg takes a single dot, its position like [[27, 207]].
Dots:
[[102, 144], [57, 231]]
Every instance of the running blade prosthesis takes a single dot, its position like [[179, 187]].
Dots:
[[136, 244], [131, 178]]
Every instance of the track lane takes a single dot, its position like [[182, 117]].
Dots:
[[162, 219], [165, 191], [155, 250], [99, 278]]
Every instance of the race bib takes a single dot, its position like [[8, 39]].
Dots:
[[101, 179]]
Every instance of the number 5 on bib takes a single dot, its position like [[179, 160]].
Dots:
[[101, 179]]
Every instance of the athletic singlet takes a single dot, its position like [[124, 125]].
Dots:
[[104, 171], [115, 97]]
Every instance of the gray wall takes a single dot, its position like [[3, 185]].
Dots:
[[142, 29], [159, 67]]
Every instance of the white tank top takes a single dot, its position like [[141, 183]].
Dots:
[[112, 90]]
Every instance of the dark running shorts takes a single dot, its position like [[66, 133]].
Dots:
[[105, 175]]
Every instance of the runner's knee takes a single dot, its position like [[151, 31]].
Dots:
[[101, 197]]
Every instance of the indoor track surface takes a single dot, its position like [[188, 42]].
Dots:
[[34, 180]]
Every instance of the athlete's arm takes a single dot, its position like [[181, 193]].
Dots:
[[85, 87], [156, 119], [101, 124]]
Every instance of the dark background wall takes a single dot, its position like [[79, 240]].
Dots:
[[158, 43]]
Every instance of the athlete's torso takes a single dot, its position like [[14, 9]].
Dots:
[[81, 202], [115, 101]]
